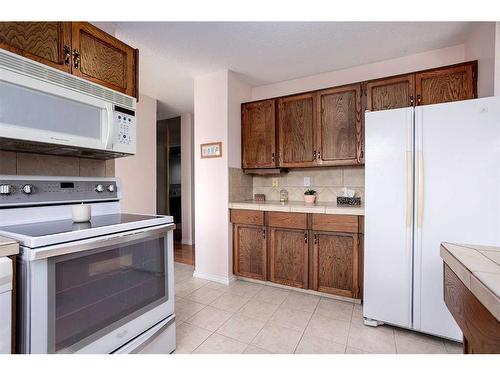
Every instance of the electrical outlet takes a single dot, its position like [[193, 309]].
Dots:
[[307, 181], [275, 182]]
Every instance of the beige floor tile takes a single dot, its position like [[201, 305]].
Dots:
[[338, 310], [245, 288], [350, 350], [316, 345], [357, 310], [251, 349], [182, 275], [301, 301], [372, 339], [409, 342], [230, 302], [186, 287], [218, 344], [453, 347], [271, 294], [241, 328], [189, 338], [185, 309], [357, 321], [217, 286], [258, 310], [209, 318], [277, 339], [204, 295], [290, 318], [328, 329]]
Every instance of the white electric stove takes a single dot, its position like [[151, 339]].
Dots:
[[103, 286]]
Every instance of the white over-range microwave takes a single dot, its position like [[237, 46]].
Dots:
[[49, 111]]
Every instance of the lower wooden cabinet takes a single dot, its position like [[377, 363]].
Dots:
[[309, 251], [289, 253], [335, 263], [250, 251]]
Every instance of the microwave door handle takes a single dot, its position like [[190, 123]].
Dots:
[[107, 130]]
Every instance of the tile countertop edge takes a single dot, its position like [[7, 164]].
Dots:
[[330, 209], [8, 247], [472, 279]]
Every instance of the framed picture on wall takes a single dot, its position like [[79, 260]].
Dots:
[[211, 150]]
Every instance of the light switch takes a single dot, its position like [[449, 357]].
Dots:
[[307, 181], [275, 182]]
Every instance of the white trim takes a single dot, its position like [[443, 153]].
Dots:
[[216, 278], [187, 242]]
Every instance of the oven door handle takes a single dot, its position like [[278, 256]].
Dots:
[[100, 242]]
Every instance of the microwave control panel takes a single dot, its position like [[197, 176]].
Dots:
[[124, 130]]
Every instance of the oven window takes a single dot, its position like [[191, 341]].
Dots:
[[98, 291]]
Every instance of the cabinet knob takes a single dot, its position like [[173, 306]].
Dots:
[[67, 55], [76, 58]]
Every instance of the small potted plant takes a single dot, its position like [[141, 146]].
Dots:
[[310, 196]]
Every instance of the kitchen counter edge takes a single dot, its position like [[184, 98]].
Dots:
[[276, 206]]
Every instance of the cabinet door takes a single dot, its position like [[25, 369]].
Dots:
[[46, 42], [258, 132], [390, 93], [103, 59], [250, 251], [339, 128], [296, 131], [288, 263], [447, 84], [335, 263]]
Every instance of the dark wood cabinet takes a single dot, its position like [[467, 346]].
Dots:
[[297, 119], [289, 257], [46, 42], [258, 132], [78, 48], [390, 93], [447, 84], [339, 131], [103, 59], [250, 251], [335, 263]]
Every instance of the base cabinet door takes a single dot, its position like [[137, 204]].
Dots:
[[288, 263], [250, 251], [335, 263], [46, 42]]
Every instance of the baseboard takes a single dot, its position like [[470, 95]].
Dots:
[[187, 242], [226, 280]]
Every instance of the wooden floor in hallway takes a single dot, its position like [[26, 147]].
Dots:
[[184, 253]]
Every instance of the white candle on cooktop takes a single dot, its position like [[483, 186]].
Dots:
[[81, 213]]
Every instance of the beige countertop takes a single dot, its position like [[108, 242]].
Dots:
[[8, 247], [316, 208], [478, 267]]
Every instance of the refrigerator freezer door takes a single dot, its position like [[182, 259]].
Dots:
[[388, 216], [457, 196]]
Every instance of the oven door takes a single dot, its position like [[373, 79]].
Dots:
[[103, 295]]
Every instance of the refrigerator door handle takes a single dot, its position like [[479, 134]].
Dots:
[[409, 188], [420, 208]]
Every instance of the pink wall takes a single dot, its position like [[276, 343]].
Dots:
[[138, 172], [420, 61]]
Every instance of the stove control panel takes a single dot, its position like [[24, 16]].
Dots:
[[35, 191]]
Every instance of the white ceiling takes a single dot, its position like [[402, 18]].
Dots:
[[173, 53]]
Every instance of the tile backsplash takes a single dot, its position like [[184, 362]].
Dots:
[[328, 182], [21, 163]]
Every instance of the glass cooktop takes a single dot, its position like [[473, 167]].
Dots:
[[48, 228]]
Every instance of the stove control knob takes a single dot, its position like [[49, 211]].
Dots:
[[99, 188], [27, 189], [111, 188], [5, 189]]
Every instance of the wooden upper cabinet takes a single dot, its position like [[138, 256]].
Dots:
[[289, 263], [103, 59], [446, 84], [250, 251], [339, 126], [390, 93], [296, 130], [335, 263], [258, 131], [46, 42]]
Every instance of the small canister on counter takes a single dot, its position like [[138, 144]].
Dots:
[[283, 195]]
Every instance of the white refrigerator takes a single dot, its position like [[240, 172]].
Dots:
[[432, 175]]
